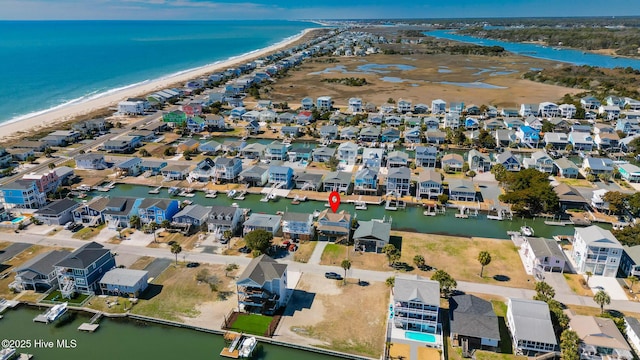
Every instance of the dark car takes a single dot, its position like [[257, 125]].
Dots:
[[244, 250], [193, 264], [332, 275]]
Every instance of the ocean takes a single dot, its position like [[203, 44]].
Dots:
[[47, 64]]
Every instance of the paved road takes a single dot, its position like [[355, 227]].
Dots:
[[12, 250], [366, 275]]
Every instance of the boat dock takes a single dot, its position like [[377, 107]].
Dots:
[[240, 196], [92, 325], [7, 304], [156, 190], [25, 356], [232, 349], [212, 194], [107, 187]]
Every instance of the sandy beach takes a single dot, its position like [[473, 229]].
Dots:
[[67, 113]]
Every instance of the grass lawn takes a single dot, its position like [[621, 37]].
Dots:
[[56, 296], [187, 242], [142, 263], [574, 283], [575, 182], [102, 304], [252, 324], [305, 249], [595, 311], [88, 232], [176, 293]]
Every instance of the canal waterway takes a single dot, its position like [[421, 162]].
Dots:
[[126, 339], [577, 57], [409, 219]]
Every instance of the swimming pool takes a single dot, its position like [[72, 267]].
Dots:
[[17, 220], [418, 336]]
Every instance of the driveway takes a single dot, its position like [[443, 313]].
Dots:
[[609, 285], [316, 255], [156, 267], [12, 250]]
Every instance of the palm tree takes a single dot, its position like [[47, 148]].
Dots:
[[165, 223], [484, 258], [135, 221], [569, 342], [602, 298], [346, 265], [632, 279], [389, 250], [589, 275], [176, 249], [153, 226], [419, 261], [227, 234], [391, 281], [471, 174]]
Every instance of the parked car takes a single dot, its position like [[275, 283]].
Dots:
[[332, 275], [69, 225], [244, 250], [193, 264]]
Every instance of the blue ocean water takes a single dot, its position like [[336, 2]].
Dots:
[[50, 63], [572, 56]]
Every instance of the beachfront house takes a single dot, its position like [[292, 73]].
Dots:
[[416, 306], [281, 176], [22, 194], [420, 108], [157, 210], [58, 212], [132, 107], [38, 274], [478, 161], [90, 213], [404, 106], [334, 227], [307, 103], [119, 210], [600, 338], [528, 110], [548, 110], [298, 226], [224, 218], [192, 215], [540, 161], [473, 323], [529, 322], [399, 181], [324, 103], [508, 160], [81, 271], [124, 282], [355, 105], [262, 286], [227, 169], [256, 175], [429, 184], [91, 161], [597, 251], [462, 190], [61, 138], [348, 152], [590, 103], [339, 181], [366, 181], [323, 154], [609, 112], [371, 236], [267, 222], [542, 255]]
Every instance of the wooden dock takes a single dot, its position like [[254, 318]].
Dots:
[[42, 318], [232, 350], [88, 327]]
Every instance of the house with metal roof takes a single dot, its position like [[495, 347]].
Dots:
[[372, 235], [223, 218], [253, 151], [322, 154], [58, 212], [308, 181], [256, 175], [90, 213], [629, 172], [129, 167], [262, 286], [415, 310], [339, 181], [119, 210], [267, 222], [90, 161], [596, 250], [478, 161], [452, 162], [124, 282], [529, 322], [542, 255], [600, 338], [632, 330], [473, 324], [38, 274], [399, 181], [81, 271], [22, 194], [566, 168], [192, 215]]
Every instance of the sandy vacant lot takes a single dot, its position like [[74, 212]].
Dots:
[[328, 314], [423, 83]]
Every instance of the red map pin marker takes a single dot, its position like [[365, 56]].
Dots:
[[334, 200]]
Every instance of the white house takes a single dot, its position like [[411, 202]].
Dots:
[[597, 251], [131, 107], [548, 109], [567, 111], [416, 304], [438, 106], [544, 255], [529, 322], [355, 105]]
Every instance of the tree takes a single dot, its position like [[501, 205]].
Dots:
[[617, 201], [589, 275], [135, 222], [333, 163], [418, 260], [170, 151], [484, 258], [52, 166], [602, 298], [569, 342], [530, 191], [391, 281], [443, 198], [346, 265], [499, 172], [465, 167], [471, 174], [144, 152], [604, 177], [259, 240], [632, 279], [547, 126], [227, 234], [176, 249], [447, 283], [544, 292], [165, 223], [153, 226], [391, 251]]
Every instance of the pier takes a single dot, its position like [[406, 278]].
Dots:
[[92, 325], [7, 304], [232, 350], [156, 190]]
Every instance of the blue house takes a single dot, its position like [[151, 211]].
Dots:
[[154, 167], [228, 169], [528, 136], [81, 271], [157, 210], [366, 181], [281, 174], [413, 135], [23, 194], [390, 135]]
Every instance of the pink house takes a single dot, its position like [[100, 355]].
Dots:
[[192, 109]]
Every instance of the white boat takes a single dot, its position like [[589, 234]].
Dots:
[[173, 190], [526, 230], [316, 213], [247, 347], [211, 194], [7, 353], [54, 313], [231, 193], [84, 187], [361, 206]]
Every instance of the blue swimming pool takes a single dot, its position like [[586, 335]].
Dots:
[[17, 220], [418, 336]]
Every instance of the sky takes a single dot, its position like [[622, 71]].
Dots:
[[305, 9]]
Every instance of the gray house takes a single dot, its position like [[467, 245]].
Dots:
[[473, 323], [339, 181], [38, 274], [270, 223], [399, 180], [58, 212], [372, 235]]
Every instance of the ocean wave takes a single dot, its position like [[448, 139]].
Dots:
[[95, 94]]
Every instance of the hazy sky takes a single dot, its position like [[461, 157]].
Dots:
[[307, 9]]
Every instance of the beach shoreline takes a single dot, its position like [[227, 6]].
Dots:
[[60, 114]]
